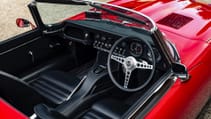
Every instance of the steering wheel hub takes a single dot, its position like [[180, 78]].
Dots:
[[130, 63]]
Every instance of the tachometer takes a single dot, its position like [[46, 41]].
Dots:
[[136, 49]]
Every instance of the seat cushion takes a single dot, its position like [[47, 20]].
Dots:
[[107, 108], [55, 86]]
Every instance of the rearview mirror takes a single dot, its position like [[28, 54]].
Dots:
[[22, 23], [180, 71]]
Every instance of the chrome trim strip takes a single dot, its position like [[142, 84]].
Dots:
[[34, 116], [76, 88]]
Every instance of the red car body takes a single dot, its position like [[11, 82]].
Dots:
[[9, 112], [184, 100]]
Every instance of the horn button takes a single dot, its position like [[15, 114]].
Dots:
[[130, 63]]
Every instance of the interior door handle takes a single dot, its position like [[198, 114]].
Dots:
[[32, 56]]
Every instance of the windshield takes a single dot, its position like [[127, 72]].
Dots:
[[52, 13]]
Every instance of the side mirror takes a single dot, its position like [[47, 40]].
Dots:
[[22, 23], [180, 71]]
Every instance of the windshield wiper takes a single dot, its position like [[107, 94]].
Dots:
[[118, 13]]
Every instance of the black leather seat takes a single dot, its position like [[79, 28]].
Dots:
[[18, 93], [55, 86], [107, 108], [52, 86]]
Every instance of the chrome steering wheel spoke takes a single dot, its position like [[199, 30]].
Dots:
[[127, 77], [118, 59], [143, 65]]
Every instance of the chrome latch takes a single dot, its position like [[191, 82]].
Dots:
[[32, 56]]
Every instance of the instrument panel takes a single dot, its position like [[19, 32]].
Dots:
[[104, 43], [103, 40]]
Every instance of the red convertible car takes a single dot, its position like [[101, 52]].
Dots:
[[123, 59]]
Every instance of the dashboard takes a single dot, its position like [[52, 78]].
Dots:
[[102, 36]]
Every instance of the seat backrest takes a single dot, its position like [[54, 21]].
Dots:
[[18, 93]]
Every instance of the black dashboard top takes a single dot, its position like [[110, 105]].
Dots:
[[86, 30]]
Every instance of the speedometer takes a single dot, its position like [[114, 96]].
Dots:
[[136, 49]]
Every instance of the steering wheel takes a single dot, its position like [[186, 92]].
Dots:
[[130, 63]]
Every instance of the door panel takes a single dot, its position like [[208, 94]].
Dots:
[[24, 52]]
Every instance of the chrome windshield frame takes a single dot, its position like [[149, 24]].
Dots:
[[91, 2]]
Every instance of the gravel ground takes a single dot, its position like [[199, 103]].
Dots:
[[9, 11], [206, 111], [12, 9]]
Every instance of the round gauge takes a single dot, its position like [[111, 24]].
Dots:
[[136, 48], [157, 55]]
